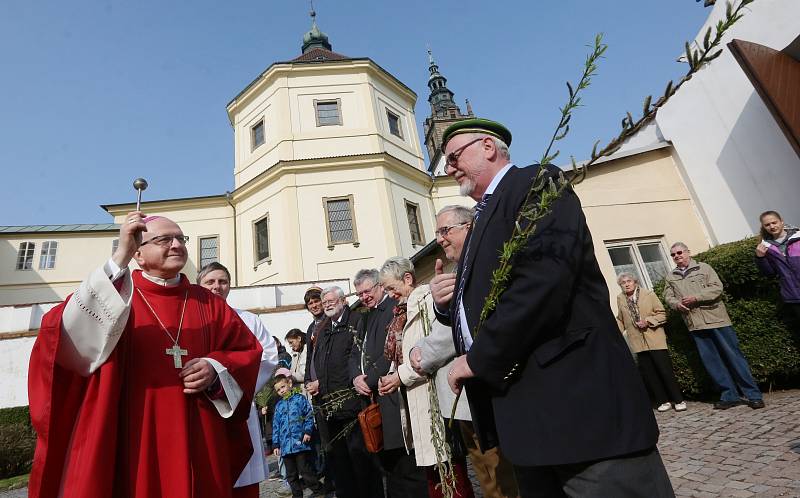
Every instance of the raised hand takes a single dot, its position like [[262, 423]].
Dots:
[[442, 286], [130, 238]]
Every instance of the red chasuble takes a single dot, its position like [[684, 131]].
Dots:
[[128, 430]]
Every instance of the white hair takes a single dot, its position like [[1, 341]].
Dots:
[[626, 274], [461, 214], [396, 267], [333, 289]]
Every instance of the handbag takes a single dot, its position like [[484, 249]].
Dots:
[[371, 426]]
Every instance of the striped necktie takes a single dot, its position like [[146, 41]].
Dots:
[[479, 207]]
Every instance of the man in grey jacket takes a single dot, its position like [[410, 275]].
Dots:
[[495, 473], [694, 289]]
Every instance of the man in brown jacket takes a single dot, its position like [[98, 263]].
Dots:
[[694, 289]]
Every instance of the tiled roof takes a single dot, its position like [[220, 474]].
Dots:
[[102, 227], [319, 55]]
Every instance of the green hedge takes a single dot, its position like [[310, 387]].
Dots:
[[17, 441], [769, 341]]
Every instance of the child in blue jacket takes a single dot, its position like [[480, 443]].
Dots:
[[292, 428]]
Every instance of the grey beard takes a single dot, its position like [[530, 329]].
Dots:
[[333, 313], [466, 188]]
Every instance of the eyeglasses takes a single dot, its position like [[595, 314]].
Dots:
[[443, 231], [366, 291], [452, 158], [676, 253], [166, 240], [330, 303]]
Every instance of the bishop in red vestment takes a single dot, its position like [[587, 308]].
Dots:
[[140, 384]]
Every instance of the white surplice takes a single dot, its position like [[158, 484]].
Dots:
[[256, 469]]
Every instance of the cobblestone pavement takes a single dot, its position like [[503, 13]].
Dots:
[[734, 453], [737, 452]]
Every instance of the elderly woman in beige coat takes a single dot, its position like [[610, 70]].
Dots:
[[408, 326], [641, 316]]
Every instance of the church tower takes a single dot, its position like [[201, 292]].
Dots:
[[444, 112], [329, 174]]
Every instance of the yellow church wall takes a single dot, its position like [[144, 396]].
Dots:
[[636, 198], [77, 255], [284, 98]]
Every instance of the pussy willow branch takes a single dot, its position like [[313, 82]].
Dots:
[[532, 210], [333, 401], [444, 457]]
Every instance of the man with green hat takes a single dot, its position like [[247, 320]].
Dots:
[[549, 377]]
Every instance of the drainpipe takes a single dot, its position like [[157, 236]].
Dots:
[[229, 197]]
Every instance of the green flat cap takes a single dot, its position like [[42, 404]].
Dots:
[[477, 125]]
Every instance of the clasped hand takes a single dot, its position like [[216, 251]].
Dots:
[[388, 384], [197, 375]]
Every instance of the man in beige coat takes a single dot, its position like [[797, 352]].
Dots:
[[694, 289]]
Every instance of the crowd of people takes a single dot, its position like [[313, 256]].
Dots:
[[540, 393]]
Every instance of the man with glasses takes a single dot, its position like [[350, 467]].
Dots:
[[494, 472], [354, 469], [694, 289], [547, 374], [134, 371], [368, 363]]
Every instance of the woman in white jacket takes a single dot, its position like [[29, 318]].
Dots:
[[413, 320]]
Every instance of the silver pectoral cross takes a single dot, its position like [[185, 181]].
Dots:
[[176, 353]]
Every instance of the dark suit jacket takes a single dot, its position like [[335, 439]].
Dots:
[[373, 328], [330, 359], [551, 366]]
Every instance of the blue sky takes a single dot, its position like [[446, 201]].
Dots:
[[96, 93]]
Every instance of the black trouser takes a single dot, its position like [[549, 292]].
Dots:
[[355, 470], [631, 476], [297, 465], [656, 369], [403, 478]]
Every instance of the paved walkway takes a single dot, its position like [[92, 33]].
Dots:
[[735, 453], [738, 452]]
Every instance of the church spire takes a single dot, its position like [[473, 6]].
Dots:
[[315, 38], [440, 98], [444, 112]]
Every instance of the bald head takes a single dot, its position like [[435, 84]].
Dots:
[[163, 250]]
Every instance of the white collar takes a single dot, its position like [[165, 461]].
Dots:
[[497, 177], [164, 282]]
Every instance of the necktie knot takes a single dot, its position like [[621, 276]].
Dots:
[[481, 205]]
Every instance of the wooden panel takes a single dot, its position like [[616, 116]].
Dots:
[[776, 78]]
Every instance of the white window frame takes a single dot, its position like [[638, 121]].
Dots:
[[25, 259], [200, 240], [268, 258], [418, 217], [351, 205], [389, 115], [47, 255], [338, 103], [638, 261], [253, 144]]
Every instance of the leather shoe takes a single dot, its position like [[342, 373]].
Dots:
[[724, 405], [755, 404]]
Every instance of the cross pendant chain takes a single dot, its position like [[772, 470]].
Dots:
[[175, 351]]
